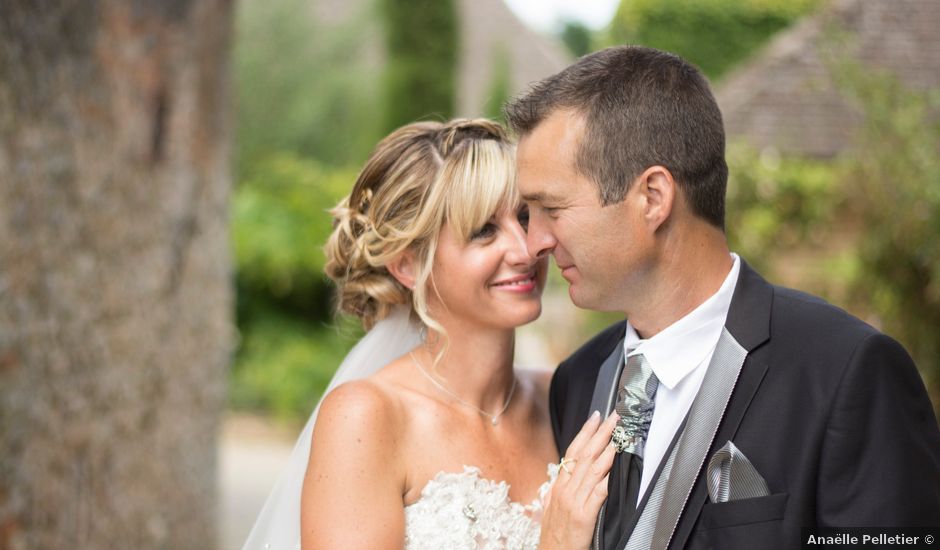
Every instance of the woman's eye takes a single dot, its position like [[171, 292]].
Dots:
[[488, 230]]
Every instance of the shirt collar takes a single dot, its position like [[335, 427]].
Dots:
[[675, 351]]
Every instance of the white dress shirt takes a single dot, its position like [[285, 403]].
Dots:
[[679, 356]]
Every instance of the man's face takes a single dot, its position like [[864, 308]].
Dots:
[[601, 250]]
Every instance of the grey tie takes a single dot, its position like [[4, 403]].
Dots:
[[635, 392], [635, 402]]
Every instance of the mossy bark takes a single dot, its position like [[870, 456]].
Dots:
[[115, 286]]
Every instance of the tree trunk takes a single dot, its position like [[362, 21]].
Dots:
[[115, 284]]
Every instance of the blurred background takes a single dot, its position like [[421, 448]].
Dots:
[[166, 171]]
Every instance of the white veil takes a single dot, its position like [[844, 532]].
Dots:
[[278, 524]]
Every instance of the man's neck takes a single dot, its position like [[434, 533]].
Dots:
[[682, 280]]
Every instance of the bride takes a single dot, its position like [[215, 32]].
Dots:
[[428, 437]]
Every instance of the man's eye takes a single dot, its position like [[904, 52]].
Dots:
[[488, 230], [523, 218]]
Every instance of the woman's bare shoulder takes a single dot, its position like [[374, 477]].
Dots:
[[355, 470], [357, 440], [360, 407]]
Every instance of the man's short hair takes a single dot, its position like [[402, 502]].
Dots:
[[642, 107]]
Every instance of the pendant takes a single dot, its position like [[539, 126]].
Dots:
[[495, 420]]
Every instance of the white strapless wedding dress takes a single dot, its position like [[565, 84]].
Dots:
[[464, 511]]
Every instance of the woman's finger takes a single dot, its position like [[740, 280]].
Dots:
[[597, 442], [584, 472], [587, 430], [594, 473], [597, 496], [601, 438], [585, 453]]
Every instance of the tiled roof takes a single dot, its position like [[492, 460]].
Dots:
[[783, 97]]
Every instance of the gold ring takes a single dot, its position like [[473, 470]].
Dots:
[[565, 462]]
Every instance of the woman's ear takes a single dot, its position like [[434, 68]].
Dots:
[[660, 193], [403, 269]]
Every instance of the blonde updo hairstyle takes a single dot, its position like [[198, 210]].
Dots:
[[420, 177]]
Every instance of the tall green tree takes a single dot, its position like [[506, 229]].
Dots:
[[499, 90], [303, 87], [577, 37], [308, 110], [713, 34], [422, 46]]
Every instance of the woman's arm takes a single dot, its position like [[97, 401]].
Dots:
[[352, 492]]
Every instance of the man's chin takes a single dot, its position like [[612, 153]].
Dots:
[[584, 299], [578, 298]]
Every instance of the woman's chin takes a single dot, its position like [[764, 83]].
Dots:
[[524, 313]]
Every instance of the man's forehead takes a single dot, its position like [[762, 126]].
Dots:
[[560, 131], [541, 196]]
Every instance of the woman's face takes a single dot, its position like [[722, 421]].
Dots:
[[490, 280]]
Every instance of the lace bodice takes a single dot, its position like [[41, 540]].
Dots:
[[464, 511]]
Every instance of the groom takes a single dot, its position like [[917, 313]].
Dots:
[[748, 411]]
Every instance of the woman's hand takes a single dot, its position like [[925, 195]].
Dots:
[[581, 487]]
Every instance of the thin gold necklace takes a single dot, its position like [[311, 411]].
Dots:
[[494, 418]]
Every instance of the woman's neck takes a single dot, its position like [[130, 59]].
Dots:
[[476, 364]]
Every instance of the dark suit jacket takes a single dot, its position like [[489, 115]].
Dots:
[[831, 412]]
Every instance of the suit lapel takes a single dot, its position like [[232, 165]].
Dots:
[[749, 314], [729, 385], [659, 520], [605, 388], [752, 373], [749, 323]]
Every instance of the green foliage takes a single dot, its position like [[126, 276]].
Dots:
[[888, 181], [577, 38], [500, 86], [301, 87], [279, 224], [775, 204], [713, 34], [306, 103], [422, 46], [893, 183], [284, 364]]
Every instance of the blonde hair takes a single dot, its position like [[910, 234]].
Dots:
[[420, 177]]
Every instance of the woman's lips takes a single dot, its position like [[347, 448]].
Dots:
[[522, 283]]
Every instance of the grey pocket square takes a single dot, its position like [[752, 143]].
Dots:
[[731, 476]]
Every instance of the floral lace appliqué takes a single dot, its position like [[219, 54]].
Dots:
[[464, 511]]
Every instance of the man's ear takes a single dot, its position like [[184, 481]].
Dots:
[[403, 269], [660, 193]]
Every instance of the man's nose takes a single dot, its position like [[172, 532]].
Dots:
[[518, 250], [539, 240]]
